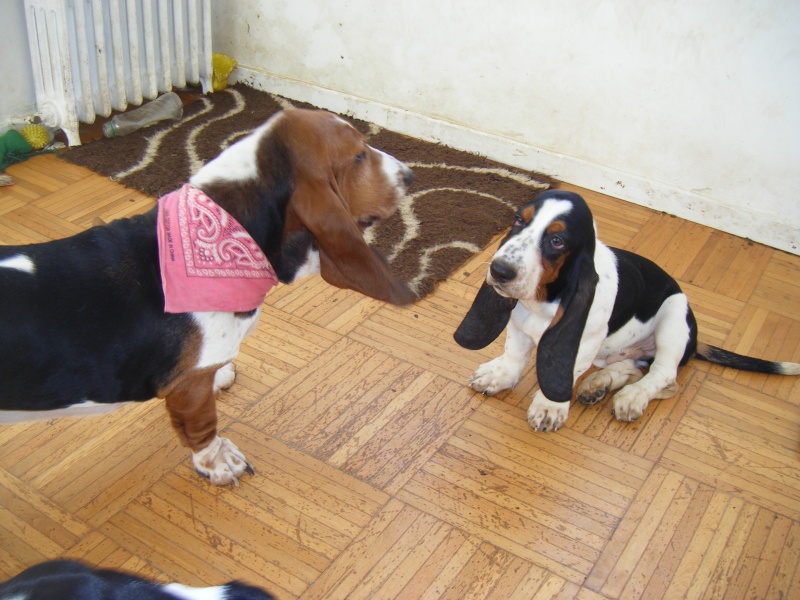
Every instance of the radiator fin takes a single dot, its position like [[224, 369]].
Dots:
[[92, 57]]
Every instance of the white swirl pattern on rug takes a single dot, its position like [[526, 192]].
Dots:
[[154, 143]]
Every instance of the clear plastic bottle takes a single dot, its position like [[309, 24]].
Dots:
[[168, 106]]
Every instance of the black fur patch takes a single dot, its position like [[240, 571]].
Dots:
[[89, 323]]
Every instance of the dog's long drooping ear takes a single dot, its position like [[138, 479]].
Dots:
[[558, 347], [346, 260], [485, 320]]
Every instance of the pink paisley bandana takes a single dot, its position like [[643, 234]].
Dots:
[[208, 261]]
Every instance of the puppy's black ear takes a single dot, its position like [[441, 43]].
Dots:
[[485, 320], [558, 348]]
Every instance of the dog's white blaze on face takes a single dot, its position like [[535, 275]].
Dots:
[[523, 252], [19, 262], [394, 170]]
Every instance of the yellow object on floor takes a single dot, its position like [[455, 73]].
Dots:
[[36, 135], [222, 66]]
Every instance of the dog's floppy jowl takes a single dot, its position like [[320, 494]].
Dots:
[[82, 320]]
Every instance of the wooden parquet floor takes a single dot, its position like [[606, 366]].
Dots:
[[379, 474]]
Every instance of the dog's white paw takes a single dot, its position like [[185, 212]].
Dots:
[[221, 462], [546, 415], [223, 378], [630, 403], [495, 375]]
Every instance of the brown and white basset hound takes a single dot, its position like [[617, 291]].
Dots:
[[554, 285], [83, 322]]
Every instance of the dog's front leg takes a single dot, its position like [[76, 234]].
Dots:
[[550, 415], [547, 415], [192, 409], [505, 371]]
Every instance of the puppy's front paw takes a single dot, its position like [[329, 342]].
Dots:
[[594, 388], [221, 462], [630, 403], [597, 385], [223, 378], [495, 375], [546, 415]]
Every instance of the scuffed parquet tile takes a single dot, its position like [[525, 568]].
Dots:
[[379, 424], [716, 314], [407, 553], [398, 331], [281, 532], [683, 539], [778, 289], [728, 266], [485, 482], [743, 442], [33, 528], [97, 549], [93, 471]]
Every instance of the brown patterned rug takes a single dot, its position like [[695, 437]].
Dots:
[[458, 203]]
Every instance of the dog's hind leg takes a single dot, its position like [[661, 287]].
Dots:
[[671, 337], [597, 385], [192, 408]]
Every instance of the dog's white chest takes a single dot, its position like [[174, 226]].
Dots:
[[222, 333]]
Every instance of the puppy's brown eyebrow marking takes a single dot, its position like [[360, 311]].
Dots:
[[527, 213], [556, 227]]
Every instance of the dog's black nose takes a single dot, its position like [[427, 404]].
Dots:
[[501, 271]]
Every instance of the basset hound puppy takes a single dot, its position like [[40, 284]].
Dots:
[[95, 319], [72, 580], [554, 285]]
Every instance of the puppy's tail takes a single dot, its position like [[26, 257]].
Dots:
[[722, 357]]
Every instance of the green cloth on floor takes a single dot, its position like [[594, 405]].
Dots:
[[14, 149]]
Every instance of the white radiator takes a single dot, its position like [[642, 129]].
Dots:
[[90, 57]]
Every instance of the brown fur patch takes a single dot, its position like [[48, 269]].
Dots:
[[527, 213], [326, 148], [193, 410], [190, 398], [556, 227], [550, 273]]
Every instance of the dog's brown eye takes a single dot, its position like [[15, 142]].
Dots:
[[557, 243], [361, 157], [518, 222]]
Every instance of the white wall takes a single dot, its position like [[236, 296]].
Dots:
[[688, 107], [17, 95]]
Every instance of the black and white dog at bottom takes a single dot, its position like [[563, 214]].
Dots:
[[554, 285], [72, 580]]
